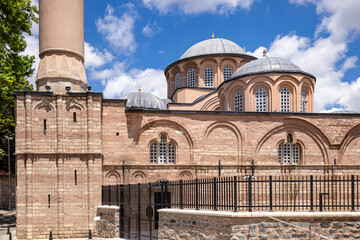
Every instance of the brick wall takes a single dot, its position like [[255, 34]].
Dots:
[[190, 224]]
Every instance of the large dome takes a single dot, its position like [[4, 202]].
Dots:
[[268, 65], [213, 46], [144, 100]]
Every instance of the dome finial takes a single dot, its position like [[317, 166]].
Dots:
[[212, 36], [139, 89], [264, 53]]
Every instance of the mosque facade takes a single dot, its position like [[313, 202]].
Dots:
[[224, 107]]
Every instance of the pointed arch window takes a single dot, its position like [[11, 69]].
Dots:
[[285, 100], [227, 72], [289, 152], [191, 77], [303, 100], [238, 102], [209, 77], [177, 80], [162, 152], [260, 100]]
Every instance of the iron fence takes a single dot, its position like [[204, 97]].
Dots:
[[138, 203]]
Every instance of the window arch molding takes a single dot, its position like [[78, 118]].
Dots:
[[162, 150], [232, 94], [293, 95], [203, 65], [268, 89], [290, 151], [309, 96]]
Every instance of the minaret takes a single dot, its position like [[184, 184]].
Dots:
[[61, 48]]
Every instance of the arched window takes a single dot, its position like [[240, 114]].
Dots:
[[191, 77], [209, 77], [260, 100], [227, 72], [238, 102], [303, 100], [162, 152], [177, 80], [224, 105], [285, 100], [289, 153]]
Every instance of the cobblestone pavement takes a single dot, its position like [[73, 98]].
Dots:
[[8, 219]]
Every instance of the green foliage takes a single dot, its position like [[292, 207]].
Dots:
[[16, 18]]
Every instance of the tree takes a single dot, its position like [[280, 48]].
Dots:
[[16, 19]]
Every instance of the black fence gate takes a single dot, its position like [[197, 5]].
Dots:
[[138, 204]]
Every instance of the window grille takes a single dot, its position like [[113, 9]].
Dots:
[[153, 152], [227, 72], [209, 77], [238, 102], [260, 100], [177, 80], [303, 100], [162, 152], [285, 100], [289, 153], [171, 153], [224, 105], [191, 77]]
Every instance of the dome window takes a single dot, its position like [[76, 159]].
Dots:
[[285, 100], [260, 100], [303, 101], [177, 80], [238, 102], [191, 77], [209, 77], [289, 153], [227, 72]]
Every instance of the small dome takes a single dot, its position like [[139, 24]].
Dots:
[[213, 46], [144, 100], [268, 65]]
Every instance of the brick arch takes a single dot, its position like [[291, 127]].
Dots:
[[139, 177], [112, 177], [186, 151], [225, 147], [186, 175], [44, 104], [211, 104], [310, 130], [351, 137], [167, 123]]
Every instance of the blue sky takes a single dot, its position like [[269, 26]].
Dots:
[[130, 43]]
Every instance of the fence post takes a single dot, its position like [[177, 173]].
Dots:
[[139, 211], [109, 187], [214, 195], [352, 193], [196, 195], [271, 193], [181, 194], [162, 194], [166, 195], [311, 193], [235, 194], [250, 193]]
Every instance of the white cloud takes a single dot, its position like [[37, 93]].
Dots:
[[32, 47], [96, 58], [325, 56], [150, 80], [119, 31], [198, 6], [151, 29]]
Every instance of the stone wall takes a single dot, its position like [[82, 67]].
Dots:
[[108, 226], [191, 224]]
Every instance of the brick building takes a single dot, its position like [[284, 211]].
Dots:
[[222, 105]]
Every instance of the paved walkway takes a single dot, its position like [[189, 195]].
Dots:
[[8, 219]]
